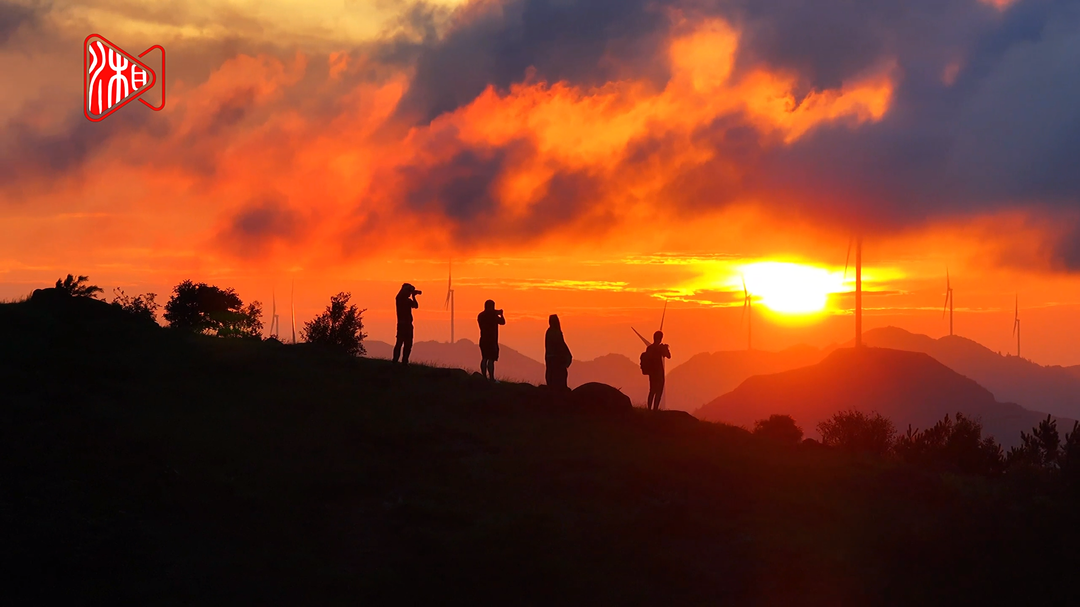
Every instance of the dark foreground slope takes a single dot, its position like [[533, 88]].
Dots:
[[140, 467], [910, 388]]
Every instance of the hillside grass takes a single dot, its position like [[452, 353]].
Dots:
[[141, 466]]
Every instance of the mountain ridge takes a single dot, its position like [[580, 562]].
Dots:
[[1053, 389], [910, 388]]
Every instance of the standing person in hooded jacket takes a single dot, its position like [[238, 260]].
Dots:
[[556, 355]]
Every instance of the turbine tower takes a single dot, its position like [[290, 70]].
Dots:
[[1016, 325], [292, 303], [748, 314], [858, 292], [449, 305], [948, 301]]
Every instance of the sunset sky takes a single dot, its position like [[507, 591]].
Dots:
[[591, 158]]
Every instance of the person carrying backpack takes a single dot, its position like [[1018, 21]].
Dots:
[[652, 364]]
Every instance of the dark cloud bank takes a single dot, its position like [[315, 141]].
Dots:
[[1005, 132]]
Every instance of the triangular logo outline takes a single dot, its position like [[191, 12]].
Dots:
[[86, 78]]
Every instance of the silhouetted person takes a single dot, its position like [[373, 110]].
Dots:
[[556, 355], [654, 357], [489, 321], [406, 302]]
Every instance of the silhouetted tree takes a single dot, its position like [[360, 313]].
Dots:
[[78, 287], [202, 308], [246, 322], [140, 306], [1040, 448], [341, 325], [780, 428], [1070, 456], [952, 445], [858, 432]]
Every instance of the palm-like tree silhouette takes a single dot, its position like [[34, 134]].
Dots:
[[78, 287]]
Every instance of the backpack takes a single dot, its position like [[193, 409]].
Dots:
[[649, 362]]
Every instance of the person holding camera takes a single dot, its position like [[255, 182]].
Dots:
[[489, 321], [406, 303]]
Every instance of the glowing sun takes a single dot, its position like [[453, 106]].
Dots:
[[790, 288]]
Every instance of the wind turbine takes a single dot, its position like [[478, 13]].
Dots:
[[662, 317], [449, 305], [1016, 325], [858, 286], [748, 313], [948, 301], [275, 324]]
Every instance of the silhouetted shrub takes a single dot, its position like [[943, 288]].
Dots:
[[202, 308], [858, 432], [1040, 449], [341, 325], [78, 287], [141, 306], [952, 445], [780, 428]]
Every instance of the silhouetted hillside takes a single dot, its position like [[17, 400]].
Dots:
[[145, 466], [1055, 390], [706, 376], [907, 387], [612, 369], [465, 354]]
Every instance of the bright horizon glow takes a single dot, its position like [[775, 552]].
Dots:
[[790, 288]]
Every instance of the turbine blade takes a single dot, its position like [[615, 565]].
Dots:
[[744, 291], [663, 316], [847, 259], [640, 336], [946, 308]]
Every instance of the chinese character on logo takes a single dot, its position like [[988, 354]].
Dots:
[[112, 78]]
